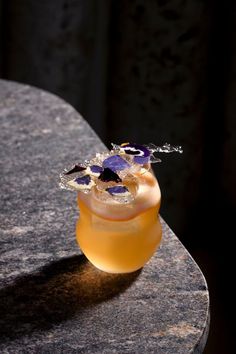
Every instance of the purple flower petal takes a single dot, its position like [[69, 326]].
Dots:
[[96, 168], [85, 180], [115, 163], [118, 191]]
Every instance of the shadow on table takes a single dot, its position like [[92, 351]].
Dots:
[[54, 294]]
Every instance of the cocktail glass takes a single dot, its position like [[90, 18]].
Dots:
[[116, 237], [119, 199]]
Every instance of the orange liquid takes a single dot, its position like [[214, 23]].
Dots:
[[120, 245]]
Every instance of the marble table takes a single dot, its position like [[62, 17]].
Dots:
[[51, 299]]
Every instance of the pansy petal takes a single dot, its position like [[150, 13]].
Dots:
[[137, 151], [94, 170], [82, 183], [120, 194], [120, 191], [115, 163]]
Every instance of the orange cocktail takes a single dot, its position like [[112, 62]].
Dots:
[[119, 199], [120, 238]]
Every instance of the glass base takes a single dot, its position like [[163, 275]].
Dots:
[[119, 246]]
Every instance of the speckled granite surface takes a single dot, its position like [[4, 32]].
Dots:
[[51, 299]]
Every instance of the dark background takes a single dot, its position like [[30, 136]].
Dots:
[[149, 71]]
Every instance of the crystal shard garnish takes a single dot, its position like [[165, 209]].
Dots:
[[98, 159], [108, 175], [70, 174], [167, 148], [115, 163], [114, 175]]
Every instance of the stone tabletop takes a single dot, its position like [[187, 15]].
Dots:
[[51, 299]]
